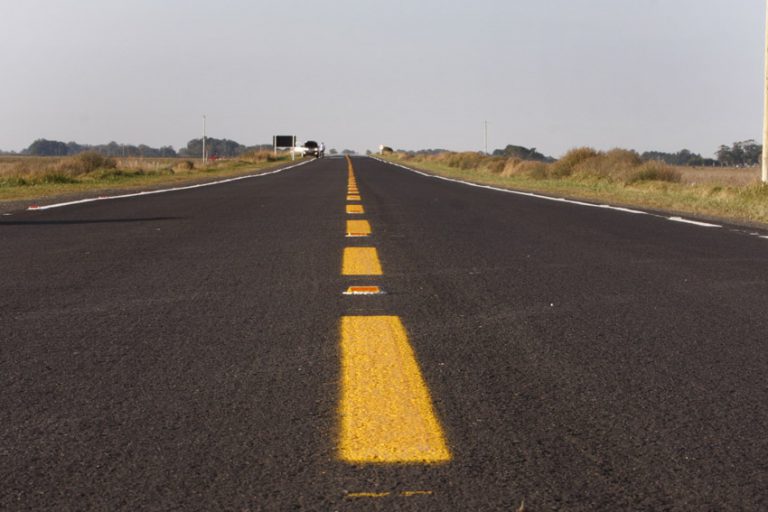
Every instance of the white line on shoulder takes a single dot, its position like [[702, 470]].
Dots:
[[164, 190]]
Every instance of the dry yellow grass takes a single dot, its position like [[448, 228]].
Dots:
[[23, 177], [722, 176]]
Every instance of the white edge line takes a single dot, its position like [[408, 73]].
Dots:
[[694, 222], [559, 199], [520, 193], [164, 190]]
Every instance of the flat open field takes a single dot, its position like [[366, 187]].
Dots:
[[729, 176]]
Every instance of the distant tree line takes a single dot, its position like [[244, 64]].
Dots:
[[740, 154], [220, 148], [682, 157], [422, 152]]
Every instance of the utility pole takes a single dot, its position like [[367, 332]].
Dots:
[[765, 104], [205, 157], [486, 137]]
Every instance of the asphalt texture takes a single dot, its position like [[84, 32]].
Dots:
[[180, 351]]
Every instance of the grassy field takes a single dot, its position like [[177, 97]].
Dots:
[[617, 177], [35, 178]]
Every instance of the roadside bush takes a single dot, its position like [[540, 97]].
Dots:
[[615, 164], [464, 161], [58, 178], [496, 165], [85, 163], [654, 171], [565, 166], [530, 168], [262, 155], [113, 174], [184, 165], [511, 167], [14, 181], [535, 170]]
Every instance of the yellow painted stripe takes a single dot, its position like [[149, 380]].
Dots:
[[386, 412], [353, 197], [368, 494], [359, 227], [355, 208], [361, 261], [404, 494], [409, 494]]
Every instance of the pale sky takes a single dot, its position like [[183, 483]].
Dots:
[[551, 74]]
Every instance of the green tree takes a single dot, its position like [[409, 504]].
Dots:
[[744, 153], [521, 152], [215, 148]]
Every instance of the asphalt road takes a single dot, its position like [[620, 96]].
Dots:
[[181, 351]]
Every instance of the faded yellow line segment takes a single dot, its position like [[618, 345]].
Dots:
[[358, 227], [361, 261], [355, 208], [386, 494], [353, 197], [385, 411]]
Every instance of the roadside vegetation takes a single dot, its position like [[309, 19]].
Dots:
[[27, 177], [618, 176]]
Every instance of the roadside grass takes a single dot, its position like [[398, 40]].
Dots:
[[27, 178], [618, 177]]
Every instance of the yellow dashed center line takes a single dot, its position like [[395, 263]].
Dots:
[[358, 228], [361, 261], [386, 412]]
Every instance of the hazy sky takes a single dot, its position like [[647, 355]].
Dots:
[[552, 74]]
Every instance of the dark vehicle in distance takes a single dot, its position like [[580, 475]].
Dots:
[[312, 148]]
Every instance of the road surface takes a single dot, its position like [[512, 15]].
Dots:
[[195, 350]]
